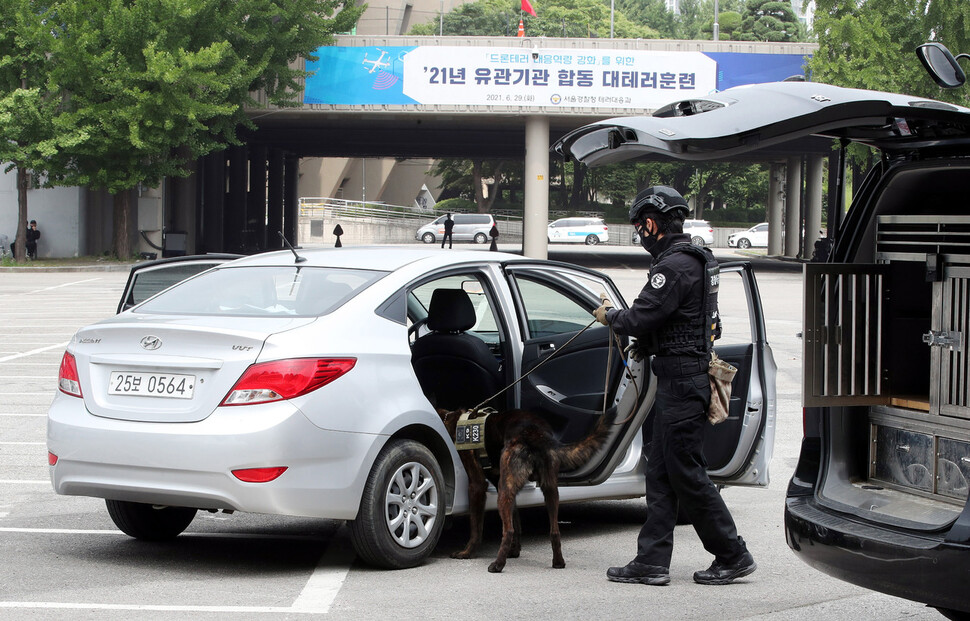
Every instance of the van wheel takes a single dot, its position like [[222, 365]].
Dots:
[[743, 243], [481, 238], [592, 240], [148, 522], [402, 509], [697, 240], [428, 238]]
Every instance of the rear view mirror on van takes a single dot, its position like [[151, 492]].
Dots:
[[941, 65]]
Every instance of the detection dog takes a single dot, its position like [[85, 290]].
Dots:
[[521, 447]]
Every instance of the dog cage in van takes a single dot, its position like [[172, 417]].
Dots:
[[894, 335]]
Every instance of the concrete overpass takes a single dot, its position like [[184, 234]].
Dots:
[[460, 100]]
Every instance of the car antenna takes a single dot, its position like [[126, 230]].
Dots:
[[299, 259]]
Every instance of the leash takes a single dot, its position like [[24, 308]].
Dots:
[[548, 358], [614, 339]]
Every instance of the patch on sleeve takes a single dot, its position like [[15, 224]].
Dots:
[[657, 281]]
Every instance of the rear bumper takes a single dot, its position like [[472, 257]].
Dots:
[[921, 568], [190, 464]]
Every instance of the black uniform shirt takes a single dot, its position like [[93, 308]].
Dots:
[[674, 292]]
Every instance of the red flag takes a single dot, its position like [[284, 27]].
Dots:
[[527, 7]]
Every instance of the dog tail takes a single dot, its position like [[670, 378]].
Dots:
[[572, 456]]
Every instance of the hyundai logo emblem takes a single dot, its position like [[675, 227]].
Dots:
[[151, 342]]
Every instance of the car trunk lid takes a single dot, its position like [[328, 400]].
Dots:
[[167, 369]]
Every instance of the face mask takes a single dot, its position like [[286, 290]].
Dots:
[[648, 240]]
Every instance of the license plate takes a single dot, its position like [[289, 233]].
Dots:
[[168, 385]]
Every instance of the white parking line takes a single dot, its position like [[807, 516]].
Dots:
[[34, 351], [23, 443], [22, 414], [316, 597], [154, 608], [25, 482], [67, 284]]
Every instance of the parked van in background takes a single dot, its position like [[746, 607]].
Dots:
[[468, 227]]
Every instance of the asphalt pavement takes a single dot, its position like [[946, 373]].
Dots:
[[62, 558]]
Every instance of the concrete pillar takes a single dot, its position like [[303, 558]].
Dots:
[[274, 201], [535, 219], [775, 181], [256, 199], [813, 203], [291, 198], [793, 206]]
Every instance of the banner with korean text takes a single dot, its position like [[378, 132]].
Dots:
[[484, 76]]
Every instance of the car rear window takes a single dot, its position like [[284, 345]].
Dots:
[[262, 291]]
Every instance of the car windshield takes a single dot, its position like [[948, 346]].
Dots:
[[262, 291]]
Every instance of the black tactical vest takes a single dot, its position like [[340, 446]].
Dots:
[[696, 335]]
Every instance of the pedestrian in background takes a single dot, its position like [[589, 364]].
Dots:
[[675, 319], [449, 225]]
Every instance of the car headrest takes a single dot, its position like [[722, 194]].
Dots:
[[451, 310]]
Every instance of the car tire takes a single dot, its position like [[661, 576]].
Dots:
[[428, 238], [481, 238], [405, 483], [697, 240], [149, 522], [743, 243], [592, 240]]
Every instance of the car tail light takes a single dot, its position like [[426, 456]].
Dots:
[[67, 379], [258, 475], [285, 379], [51, 458]]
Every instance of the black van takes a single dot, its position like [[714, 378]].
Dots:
[[879, 496]]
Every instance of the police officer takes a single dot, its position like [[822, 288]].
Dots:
[[675, 319]]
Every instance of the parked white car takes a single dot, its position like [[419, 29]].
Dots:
[[755, 237], [589, 231], [701, 233]]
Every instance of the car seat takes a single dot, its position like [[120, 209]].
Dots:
[[456, 370]]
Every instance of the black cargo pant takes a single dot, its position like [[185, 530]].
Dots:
[[676, 468]]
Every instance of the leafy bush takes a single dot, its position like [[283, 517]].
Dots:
[[456, 205]]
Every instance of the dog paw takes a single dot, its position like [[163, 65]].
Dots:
[[514, 553], [559, 564], [461, 555], [495, 568]]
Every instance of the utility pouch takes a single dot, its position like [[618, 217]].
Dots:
[[721, 375]]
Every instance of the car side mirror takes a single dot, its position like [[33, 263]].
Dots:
[[941, 64]]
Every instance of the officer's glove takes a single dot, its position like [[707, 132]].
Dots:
[[600, 312]]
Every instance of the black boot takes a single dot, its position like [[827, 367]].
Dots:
[[639, 573], [722, 573]]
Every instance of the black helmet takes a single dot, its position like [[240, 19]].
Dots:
[[660, 199]]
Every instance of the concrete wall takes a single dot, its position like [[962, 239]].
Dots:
[[57, 214]]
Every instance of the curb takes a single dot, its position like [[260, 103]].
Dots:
[[120, 267]]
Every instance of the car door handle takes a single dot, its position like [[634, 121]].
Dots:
[[546, 348]]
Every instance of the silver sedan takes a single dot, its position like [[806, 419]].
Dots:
[[307, 383]]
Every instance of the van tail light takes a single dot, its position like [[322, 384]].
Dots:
[[51, 459], [67, 379], [285, 379]]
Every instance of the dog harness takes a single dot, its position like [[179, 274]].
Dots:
[[470, 434]]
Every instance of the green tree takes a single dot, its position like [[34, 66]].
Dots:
[[650, 13], [871, 43], [770, 20], [555, 18], [28, 102], [155, 84]]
